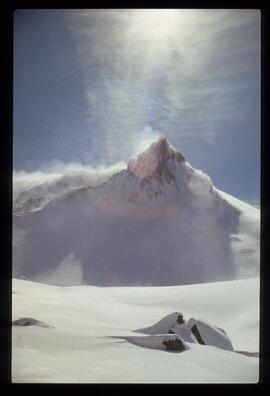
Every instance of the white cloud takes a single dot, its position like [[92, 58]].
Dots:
[[73, 174], [196, 73], [23, 180]]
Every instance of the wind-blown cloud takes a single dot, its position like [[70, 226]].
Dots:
[[185, 85], [73, 175]]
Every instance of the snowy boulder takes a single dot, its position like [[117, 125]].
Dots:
[[29, 322], [208, 334], [184, 331], [165, 342], [173, 323], [164, 325], [192, 331]]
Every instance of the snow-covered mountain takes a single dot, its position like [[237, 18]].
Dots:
[[70, 177], [39, 196], [157, 222]]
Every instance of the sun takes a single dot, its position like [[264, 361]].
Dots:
[[155, 24]]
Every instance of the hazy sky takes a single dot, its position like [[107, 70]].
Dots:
[[96, 86]]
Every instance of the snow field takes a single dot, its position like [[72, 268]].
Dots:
[[82, 348]]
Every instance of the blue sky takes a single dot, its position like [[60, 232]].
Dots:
[[96, 86]]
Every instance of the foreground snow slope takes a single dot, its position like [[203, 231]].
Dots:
[[81, 347]]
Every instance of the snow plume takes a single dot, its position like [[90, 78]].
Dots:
[[24, 181], [73, 175], [143, 140], [200, 183], [68, 273]]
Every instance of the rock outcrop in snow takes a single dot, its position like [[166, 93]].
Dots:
[[191, 331], [208, 334], [164, 325], [29, 322], [163, 342]]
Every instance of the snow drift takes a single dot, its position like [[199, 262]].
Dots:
[[87, 341]]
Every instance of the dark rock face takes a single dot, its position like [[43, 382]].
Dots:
[[29, 322], [174, 345], [180, 319], [196, 333]]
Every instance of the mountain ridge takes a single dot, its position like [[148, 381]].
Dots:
[[158, 222]]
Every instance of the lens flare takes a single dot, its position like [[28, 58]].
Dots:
[[155, 24]]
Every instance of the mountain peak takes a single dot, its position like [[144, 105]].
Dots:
[[161, 143], [156, 159]]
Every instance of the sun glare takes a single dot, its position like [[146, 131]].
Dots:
[[155, 24]]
